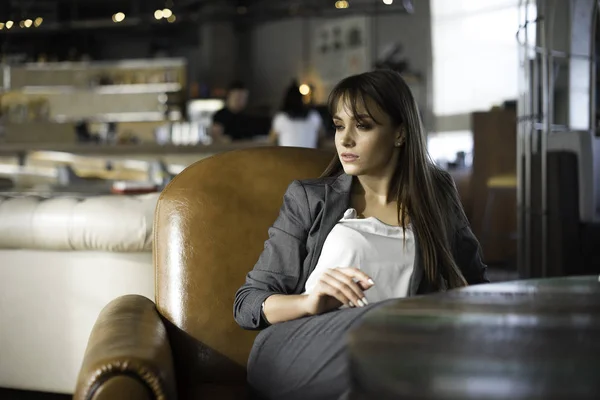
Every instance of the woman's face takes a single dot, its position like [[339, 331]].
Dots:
[[366, 147]]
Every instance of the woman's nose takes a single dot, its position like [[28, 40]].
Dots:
[[346, 139]]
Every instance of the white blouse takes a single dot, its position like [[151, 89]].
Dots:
[[382, 251]]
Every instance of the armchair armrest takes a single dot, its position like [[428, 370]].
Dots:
[[128, 355]]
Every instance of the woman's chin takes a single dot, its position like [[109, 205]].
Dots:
[[351, 169]]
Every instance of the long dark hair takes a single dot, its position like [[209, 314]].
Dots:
[[423, 191], [293, 104]]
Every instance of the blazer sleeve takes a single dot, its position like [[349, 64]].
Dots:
[[279, 267], [468, 256]]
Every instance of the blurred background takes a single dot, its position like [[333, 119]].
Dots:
[[136, 74], [105, 101]]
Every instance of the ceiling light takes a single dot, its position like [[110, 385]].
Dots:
[[28, 23], [166, 13], [22, 24], [38, 21], [341, 4], [304, 89], [158, 14], [1, 25], [388, 2], [172, 18], [9, 24], [118, 17]]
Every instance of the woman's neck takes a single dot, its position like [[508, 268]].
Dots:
[[370, 199], [372, 188], [375, 187]]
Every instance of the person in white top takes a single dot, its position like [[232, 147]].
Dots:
[[296, 125]]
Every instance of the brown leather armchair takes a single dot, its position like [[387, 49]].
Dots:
[[210, 226]]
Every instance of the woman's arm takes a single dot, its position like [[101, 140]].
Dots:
[[335, 287], [273, 137], [468, 256], [285, 307], [280, 265], [276, 127], [217, 133]]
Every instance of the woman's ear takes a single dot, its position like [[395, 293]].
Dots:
[[400, 137]]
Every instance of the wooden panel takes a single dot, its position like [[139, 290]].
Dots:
[[494, 153]]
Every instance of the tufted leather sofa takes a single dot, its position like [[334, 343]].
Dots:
[[210, 226], [62, 259]]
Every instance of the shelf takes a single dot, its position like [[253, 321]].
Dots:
[[144, 116], [142, 88], [124, 64]]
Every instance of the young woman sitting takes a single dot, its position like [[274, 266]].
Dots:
[[383, 222]]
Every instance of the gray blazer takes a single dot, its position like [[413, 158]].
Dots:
[[310, 210]]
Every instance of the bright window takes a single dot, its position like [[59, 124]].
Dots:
[[444, 147], [475, 54]]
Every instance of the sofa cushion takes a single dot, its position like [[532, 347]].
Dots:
[[103, 223]]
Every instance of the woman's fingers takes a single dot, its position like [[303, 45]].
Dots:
[[346, 284], [358, 275], [330, 288], [348, 281], [363, 280], [364, 285]]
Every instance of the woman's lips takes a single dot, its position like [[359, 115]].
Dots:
[[349, 157]]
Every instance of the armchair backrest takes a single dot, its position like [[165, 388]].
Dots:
[[210, 226]]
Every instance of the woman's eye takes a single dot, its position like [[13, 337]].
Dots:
[[338, 127], [363, 127]]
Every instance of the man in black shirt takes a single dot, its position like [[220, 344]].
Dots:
[[231, 123]]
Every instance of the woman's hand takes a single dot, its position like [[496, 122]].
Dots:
[[337, 287]]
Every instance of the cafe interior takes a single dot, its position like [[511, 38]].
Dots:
[[130, 213]]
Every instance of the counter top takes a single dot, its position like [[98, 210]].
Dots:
[[10, 149]]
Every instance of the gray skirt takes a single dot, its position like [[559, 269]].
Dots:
[[304, 358]]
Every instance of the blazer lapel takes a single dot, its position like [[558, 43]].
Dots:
[[337, 201]]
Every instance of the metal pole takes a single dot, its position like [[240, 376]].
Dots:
[[528, 148], [527, 122], [548, 111], [593, 75], [521, 123]]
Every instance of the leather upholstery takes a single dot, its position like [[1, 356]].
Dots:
[[49, 303], [84, 251], [210, 226], [209, 230], [128, 339], [124, 387], [103, 223]]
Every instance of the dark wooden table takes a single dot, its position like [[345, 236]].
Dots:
[[536, 339]]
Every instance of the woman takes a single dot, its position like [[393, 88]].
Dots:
[[296, 125], [383, 222]]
